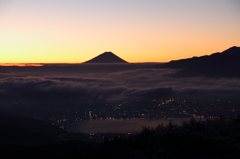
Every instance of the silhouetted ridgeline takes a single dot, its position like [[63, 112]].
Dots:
[[225, 64], [211, 139]]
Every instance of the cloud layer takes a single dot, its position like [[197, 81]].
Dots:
[[109, 87]]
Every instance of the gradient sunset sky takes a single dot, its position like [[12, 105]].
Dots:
[[74, 31]]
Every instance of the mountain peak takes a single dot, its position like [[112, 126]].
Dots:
[[106, 57], [232, 50], [108, 52]]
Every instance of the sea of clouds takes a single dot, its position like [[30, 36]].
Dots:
[[109, 86]]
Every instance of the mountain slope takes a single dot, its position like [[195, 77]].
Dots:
[[21, 130], [225, 64], [232, 53], [218, 68]]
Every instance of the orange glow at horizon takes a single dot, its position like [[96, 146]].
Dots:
[[21, 64]]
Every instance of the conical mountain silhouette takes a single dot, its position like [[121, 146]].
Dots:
[[106, 57]]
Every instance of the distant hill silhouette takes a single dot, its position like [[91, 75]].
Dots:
[[106, 57], [225, 64]]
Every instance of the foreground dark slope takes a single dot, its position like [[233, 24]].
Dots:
[[22, 137], [24, 131], [225, 64]]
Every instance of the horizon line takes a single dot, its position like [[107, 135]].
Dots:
[[65, 63]]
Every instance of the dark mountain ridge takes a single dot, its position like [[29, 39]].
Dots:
[[229, 54], [224, 64], [106, 57]]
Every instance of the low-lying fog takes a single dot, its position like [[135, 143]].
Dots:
[[93, 85]]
